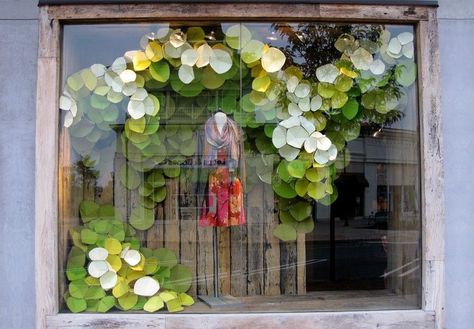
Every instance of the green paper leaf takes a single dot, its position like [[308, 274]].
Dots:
[[105, 304], [88, 236], [285, 232], [282, 171], [88, 210], [181, 278], [286, 218], [316, 190], [128, 301], [350, 109], [160, 71], [78, 288], [171, 172], [300, 210], [185, 299], [296, 168], [129, 177], [159, 194], [405, 73], [156, 179], [316, 174], [283, 189], [301, 187], [166, 258], [76, 305], [306, 226], [94, 292], [142, 218], [137, 125], [154, 304], [174, 305]]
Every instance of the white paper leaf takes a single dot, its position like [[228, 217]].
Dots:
[[362, 59], [302, 90], [296, 136], [289, 152], [310, 144], [405, 38], [136, 109], [98, 69], [139, 95], [124, 251], [237, 36], [332, 152], [119, 65], [324, 143], [65, 103], [294, 109], [327, 73], [220, 61], [68, 119], [73, 109], [279, 136], [108, 280], [177, 38], [128, 76], [189, 57], [385, 36], [290, 122], [307, 125], [117, 84], [186, 74], [204, 53], [146, 286], [408, 50], [97, 268], [98, 254], [377, 67], [292, 97], [129, 88], [394, 47], [305, 104], [292, 83], [163, 34], [321, 157], [129, 55], [132, 257], [273, 60], [316, 103], [149, 105]]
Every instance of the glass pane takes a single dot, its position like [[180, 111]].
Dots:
[[239, 167]]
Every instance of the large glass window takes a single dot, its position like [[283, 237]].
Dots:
[[239, 167]]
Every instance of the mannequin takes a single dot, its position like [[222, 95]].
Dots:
[[220, 119]]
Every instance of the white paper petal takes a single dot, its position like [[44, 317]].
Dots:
[[204, 53], [294, 109], [289, 152], [149, 105], [310, 144], [292, 97], [146, 286], [139, 95], [279, 136], [128, 76], [129, 88], [98, 254], [97, 268], [302, 90], [73, 109], [327, 73], [98, 69], [177, 38], [307, 125], [119, 65], [186, 74], [405, 38], [290, 122], [189, 57], [68, 119], [317, 134], [163, 34], [117, 84], [136, 109], [220, 61], [132, 257], [324, 143], [305, 104], [65, 103], [292, 83], [362, 59], [321, 157], [377, 67], [408, 50], [296, 136], [394, 47], [332, 152], [108, 280], [129, 55], [124, 251], [316, 103]]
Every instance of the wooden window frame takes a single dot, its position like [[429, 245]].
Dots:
[[431, 314]]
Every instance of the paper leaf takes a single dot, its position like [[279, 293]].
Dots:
[[377, 67], [405, 38], [273, 60], [316, 190], [186, 74], [180, 278], [285, 232], [296, 168], [289, 152], [296, 136], [146, 286], [142, 218], [204, 53], [316, 103], [300, 210], [105, 304], [128, 301], [166, 257], [302, 90], [252, 51], [237, 36], [189, 57], [160, 71], [98, 254], [394, 46], [76, 305], [154, 304], [279, 136], [307, 125], [361, 59], [108, 280], [310, 144], [327, 73], [294, 110], [97, 268], [220, 61], [350, 109]]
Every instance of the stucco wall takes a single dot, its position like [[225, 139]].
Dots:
[[18, 47]]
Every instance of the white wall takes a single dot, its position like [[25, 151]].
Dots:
[[18, 48]]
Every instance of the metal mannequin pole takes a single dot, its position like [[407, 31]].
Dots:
[[216, 262]]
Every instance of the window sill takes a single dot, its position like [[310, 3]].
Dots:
[[400, 319]]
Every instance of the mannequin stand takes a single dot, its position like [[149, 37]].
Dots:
[[217, 300]]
